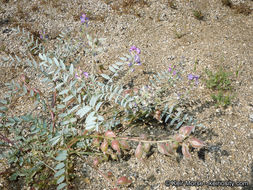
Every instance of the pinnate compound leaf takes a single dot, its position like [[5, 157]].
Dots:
[[71, 69], [55, 140], [90, 118], [83, 111], [93, 100], [68, 98], [62, 155], [56, 62], [61, 186], [105, 76], [65, 91], [59, 166], [61, 179], [98, 105], [179, 124], [2, 108], [59, 173], [62, 65], [112, 69], [3, 101]]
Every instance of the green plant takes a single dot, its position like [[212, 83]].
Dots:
[[219, 80], [198, 14], [221, 100], [80, 110]]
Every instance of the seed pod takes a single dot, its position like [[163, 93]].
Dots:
[[196, 143], [146, 147], [138, 151], [123, 181], [110, 134], [186, 130], [104, 146], [115, 145], [95, 162], [185, 151], [96, 142], [178, 138], [124, 144]]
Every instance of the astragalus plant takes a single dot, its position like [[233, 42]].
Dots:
[[80, 109]]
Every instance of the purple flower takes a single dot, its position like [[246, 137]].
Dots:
[[174, 72], [76, 76], [130, 64], [83, 19], [134, 48], [86, 74], [43, 35], [194, 77], [137, 59], [190, 76]]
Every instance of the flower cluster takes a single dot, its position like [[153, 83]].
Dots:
[[43, 35], [192, 77], [80, 73], [135, 53], [84, 19], [174, 72]]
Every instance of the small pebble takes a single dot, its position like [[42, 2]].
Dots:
[[251, 117]]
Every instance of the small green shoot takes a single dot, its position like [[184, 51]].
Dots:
[[198, 14]]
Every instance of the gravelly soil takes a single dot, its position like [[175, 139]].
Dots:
[[165, 36]]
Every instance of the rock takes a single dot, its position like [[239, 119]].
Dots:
[[251, 117]]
